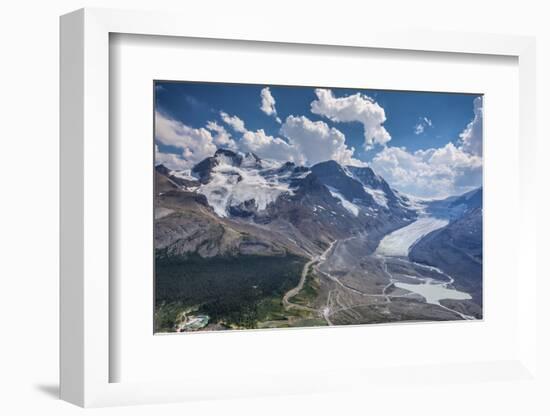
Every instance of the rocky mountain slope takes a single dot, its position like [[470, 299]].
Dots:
[[457, 248]]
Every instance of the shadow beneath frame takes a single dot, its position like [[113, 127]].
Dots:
[[51, 390]]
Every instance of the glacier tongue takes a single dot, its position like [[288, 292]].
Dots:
[[399, 242]]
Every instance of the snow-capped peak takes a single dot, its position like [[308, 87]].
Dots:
[[232, 180]]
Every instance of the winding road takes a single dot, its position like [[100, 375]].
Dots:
[[295, 290]]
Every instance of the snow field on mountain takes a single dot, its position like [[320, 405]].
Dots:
[[351, 207], [378, 195]]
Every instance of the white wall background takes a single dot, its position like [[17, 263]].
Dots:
[[29, 206]]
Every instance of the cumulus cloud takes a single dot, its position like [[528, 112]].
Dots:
[[195, 144], [268, 104], [308, 142], [221, 136], [269, 147], [357, 107], [170, 160], [471, 137], [429, 173], [438, 172], [422, 124], [258, 141], [235, 122], [305, 142], [316, 142]]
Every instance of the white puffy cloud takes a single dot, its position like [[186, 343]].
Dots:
[[316, 142], [235, 122], [269, 147], [437, 172], [307, 142], [356, 107], [170, 160], [431, 173], [221, 136], [471, 137], [195, 144], [268, 104], [259, 142]]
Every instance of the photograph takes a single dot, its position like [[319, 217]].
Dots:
[[236, 208], [292, 206]]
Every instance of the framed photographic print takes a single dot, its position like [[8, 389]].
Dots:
[[296, 206], [292, 212]]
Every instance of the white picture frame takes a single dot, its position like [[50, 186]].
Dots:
[[85, 211]]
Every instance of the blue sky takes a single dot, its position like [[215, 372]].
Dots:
[[424, 144]]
